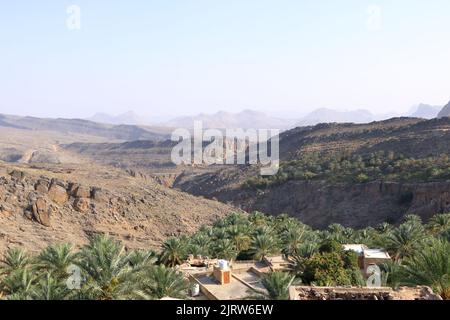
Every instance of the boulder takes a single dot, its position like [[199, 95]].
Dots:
[[72, 188], [59, 182], [82, 192], [41, 186], [98, 194], [81, 205], [17, 175], [58, 194], [42, 212]]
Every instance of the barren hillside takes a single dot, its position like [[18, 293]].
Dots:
[[45, 204]]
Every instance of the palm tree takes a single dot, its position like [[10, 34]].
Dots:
[[445, 235], [431, 266], [413, 219], [18, 284], [205, 231], [106, 266], [200, 242], [277, 285], [225, 249], [234, 219], [365, 236], [220, 233], [139, 259], [267, 229], [56, 259], [405, 240], [303, 252], [50, 288], [336, 228], [262, 246], [161, 281], [384, 227], [14, 259], [439, 223], [173, 253], [239, 235], [284, 223], [391, 274], [292, 239], [257, 218]]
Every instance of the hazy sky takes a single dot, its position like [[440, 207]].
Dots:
[[164, 58]]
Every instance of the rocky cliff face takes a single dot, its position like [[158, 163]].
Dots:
[[319, 202], [359, 205]]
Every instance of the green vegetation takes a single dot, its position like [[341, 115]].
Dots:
[[317, 256], [277, 285], [332, 266], [421, 256], [107, 272], [351, 168]]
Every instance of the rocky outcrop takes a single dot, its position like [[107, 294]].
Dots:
[[79, 191], [42, 186], [58, 194], [17, 175], [39, 207], [42, 212]]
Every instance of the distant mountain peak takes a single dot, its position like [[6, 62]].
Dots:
[[245, 119], [445, 112], [129, 118], [423, 110], [327, 115]]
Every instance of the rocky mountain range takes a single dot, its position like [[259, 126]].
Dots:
[[51, 194], [129, 118], [325, 115], [84, 127], [247, 119], [70, 174]]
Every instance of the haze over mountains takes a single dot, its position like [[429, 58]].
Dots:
[[222, 119], [129, 117], [86, 127], [248, 118], [425, 111]]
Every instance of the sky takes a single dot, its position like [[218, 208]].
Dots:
[[172, 58]]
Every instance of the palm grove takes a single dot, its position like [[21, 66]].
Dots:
[[421, 256]]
